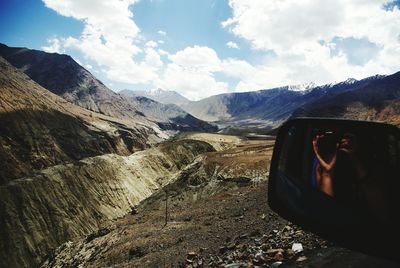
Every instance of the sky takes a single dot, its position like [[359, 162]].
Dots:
[[201, 48]]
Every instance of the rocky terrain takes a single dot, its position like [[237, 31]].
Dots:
[[216, 216], [211, 174]]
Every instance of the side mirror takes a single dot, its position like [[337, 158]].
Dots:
[[341, 180]]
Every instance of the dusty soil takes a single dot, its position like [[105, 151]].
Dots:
[[230, 210], [218, 141]]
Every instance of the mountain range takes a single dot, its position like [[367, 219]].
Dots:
[[65, 77], [267, 109], [372, 98]]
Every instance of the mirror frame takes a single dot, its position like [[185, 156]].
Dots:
[[360, 241]]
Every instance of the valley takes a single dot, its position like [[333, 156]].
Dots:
[[87, 173]]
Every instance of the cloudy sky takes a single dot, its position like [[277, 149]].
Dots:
[[206, 47]]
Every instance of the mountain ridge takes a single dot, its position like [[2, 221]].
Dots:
[[63, 76], [160, 95], [268, 108]]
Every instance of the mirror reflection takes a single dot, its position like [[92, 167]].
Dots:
[[347, 173]]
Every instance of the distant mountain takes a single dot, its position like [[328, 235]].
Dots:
[[377, 99], [267, 109], [39, 129], [160, 95], [65, 77], [170, 116]]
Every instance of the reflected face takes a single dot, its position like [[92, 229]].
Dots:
[[347, 144]]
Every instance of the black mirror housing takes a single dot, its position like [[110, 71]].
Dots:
[[341, 180]]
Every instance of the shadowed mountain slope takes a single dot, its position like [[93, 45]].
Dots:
[[377, 100], [39, 129], [65, 77], [170, 116]]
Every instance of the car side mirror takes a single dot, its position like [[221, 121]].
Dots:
[[341, 180]]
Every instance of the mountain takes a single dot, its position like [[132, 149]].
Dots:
[[170, 116], [160, 95], [266, 109], [65, 77], [39, 129], [377, 99]]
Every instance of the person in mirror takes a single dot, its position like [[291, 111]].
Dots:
[[325, 150], [350, 172]]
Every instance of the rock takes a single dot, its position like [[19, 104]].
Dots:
[[231, 246], [234, 265], [278, 256], [255, 233], [136, 252], [290, 253], [302, 258], [276, 264], [134, 211], [297, 247], [192, 254], [243, 236], [265, 247], [223, 249], [274, 251]]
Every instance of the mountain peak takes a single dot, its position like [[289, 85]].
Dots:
[[158, 94], [301, 87]]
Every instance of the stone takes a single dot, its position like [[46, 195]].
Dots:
[[278, 256], [301, 258], [192, 254], [223, 249], [276, 264], [297, 247], [231, 246]]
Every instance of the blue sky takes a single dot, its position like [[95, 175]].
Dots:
[[202, 48]]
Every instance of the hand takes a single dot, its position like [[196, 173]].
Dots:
[[315, 143]]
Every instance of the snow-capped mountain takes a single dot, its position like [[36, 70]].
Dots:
[[301, 87], [158, 94]]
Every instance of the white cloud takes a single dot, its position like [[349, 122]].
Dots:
[[89, 67], [191, 73], [197, 58], [162, 52], [54, 46], [294, 29], [151, 43], [300, 34], [231, 44], [110, 38]]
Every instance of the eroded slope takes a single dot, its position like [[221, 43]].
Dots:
[[39, 129], [39, 212]]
